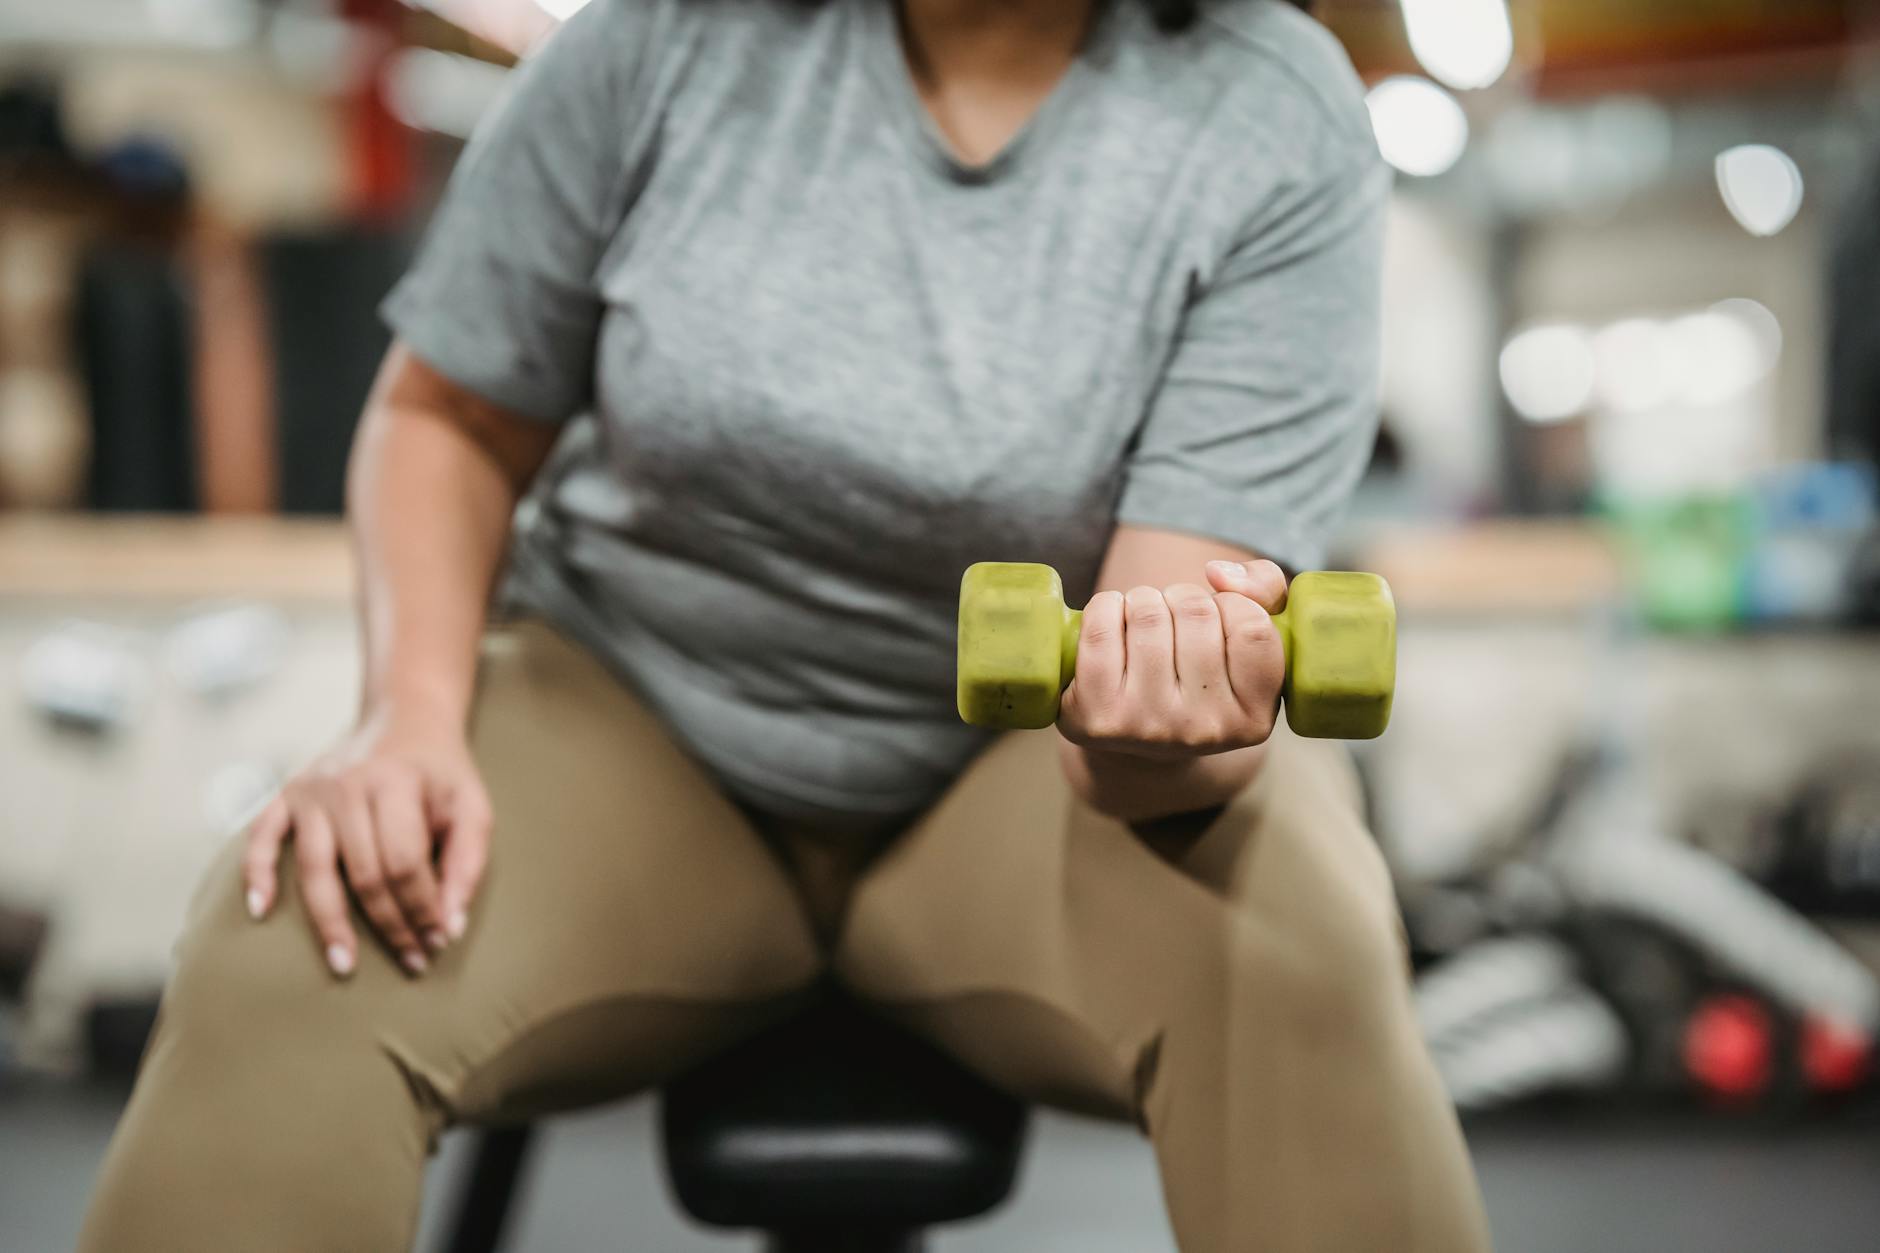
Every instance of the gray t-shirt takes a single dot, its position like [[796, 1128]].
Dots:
[[817, 366]]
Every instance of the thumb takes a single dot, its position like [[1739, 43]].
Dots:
[[1258, 580]]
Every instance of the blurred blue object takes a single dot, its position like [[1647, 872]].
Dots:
[[1811, 519], [1829, 495], [146, 166]]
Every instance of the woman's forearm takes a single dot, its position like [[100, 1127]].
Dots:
[[430, 497], [1137, 789]]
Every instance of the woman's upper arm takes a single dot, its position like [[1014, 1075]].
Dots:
[[1266, 412], [504, 295], [408, 389]]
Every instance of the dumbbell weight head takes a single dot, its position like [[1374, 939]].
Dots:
[[1018, 649], [1340, 631], [1017, 644]]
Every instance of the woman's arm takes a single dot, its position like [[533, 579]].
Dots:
[[1177, 683], [435, 475], [1258, 430], [398, 804]]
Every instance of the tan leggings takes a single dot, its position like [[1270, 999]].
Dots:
[[1242, 996]]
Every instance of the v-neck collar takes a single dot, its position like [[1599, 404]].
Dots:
[[887, 63]]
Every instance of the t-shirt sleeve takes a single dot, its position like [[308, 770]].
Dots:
[[503, 298], [1265, 415]]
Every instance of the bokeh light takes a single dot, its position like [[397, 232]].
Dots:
[[1548, 372], [1711, 357], [1761, 186], [1552, 371], [1629, 355], [1420, 128], [1467, 44]]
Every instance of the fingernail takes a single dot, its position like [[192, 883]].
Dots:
[[340, 958], [1233, 569], [414, 961], [436, 939], [257, 903], [458, 924]]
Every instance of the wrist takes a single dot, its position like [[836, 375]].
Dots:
[[1135, 788], [417, 704]]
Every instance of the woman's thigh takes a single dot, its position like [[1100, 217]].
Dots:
[[629, 917], [630, 920], [1055, 949]]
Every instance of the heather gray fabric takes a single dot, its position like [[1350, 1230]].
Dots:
[[819, 366]]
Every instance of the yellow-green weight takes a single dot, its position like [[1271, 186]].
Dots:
[[1018, 649]]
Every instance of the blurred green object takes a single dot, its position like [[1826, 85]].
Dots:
[[1690, 559]]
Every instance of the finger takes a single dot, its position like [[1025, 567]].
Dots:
[[1259, 580], [358, 849], [467, 821], [261, 858], [316, 856], [1098, 682], [1256, 661], [1149, 647], [405, 858], [1200, 646]]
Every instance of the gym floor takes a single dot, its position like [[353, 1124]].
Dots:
[[1555, 1184]]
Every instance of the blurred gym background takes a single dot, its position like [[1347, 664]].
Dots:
[[1625, 493]]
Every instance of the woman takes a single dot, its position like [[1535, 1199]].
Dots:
[[848, 295]]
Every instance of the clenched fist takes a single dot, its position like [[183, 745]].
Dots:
[[1181, 672]]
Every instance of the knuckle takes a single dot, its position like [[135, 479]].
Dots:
[[374, 776], [402, 874], [1201, 733], [370, 884], [1146, 728], [1149, 613], [1256, 729], [1102, 719], [1255, 630], [1196, 609], [395, 780]]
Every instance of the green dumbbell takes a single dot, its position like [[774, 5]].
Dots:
[[1018, 649]]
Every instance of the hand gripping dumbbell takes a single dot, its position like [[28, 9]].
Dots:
[[1018, 649]]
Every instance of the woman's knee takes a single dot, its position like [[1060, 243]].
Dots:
[[1347, 974], [243, 989]]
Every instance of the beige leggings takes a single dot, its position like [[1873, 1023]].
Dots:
[[1242, 996]]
